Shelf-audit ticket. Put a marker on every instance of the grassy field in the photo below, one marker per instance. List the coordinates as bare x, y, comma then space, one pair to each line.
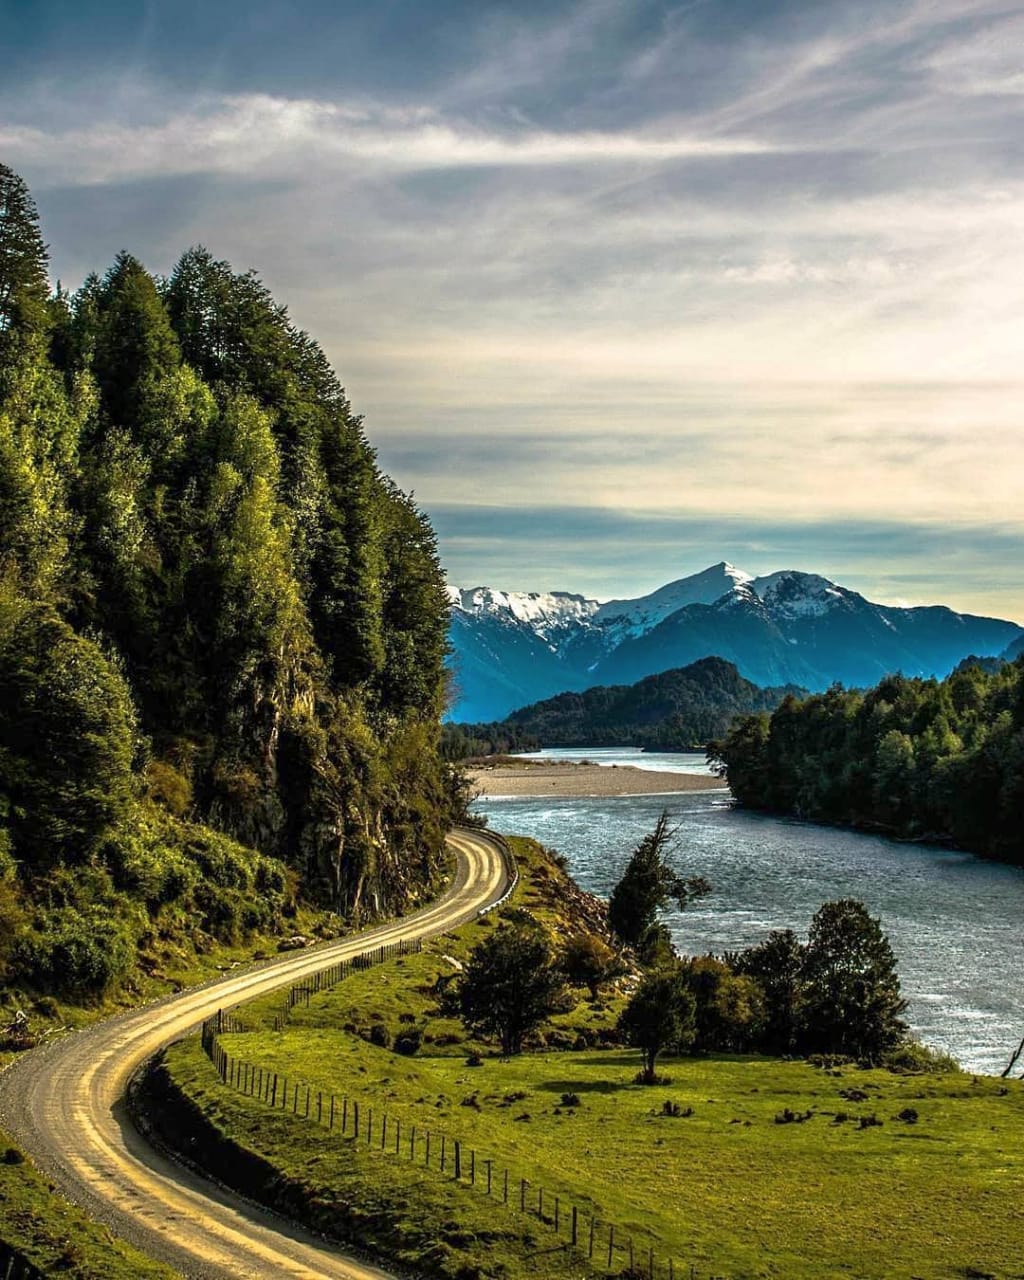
730, 1187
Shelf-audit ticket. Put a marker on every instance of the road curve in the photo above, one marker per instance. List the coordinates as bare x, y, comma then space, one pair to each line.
65, 1105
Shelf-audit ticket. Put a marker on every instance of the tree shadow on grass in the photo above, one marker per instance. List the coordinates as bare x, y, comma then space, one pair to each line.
624, 1066
583, 1086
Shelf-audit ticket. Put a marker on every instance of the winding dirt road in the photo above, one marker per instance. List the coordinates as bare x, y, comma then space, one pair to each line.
65, 1105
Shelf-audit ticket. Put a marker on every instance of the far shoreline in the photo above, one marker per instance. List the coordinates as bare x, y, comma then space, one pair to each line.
509, 778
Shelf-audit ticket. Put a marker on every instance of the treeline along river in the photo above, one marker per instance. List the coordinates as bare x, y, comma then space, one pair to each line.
954, 920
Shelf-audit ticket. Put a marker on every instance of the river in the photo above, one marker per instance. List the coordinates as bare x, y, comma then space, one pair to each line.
954, 921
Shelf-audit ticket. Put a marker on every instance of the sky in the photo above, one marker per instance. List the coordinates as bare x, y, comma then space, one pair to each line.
621, 287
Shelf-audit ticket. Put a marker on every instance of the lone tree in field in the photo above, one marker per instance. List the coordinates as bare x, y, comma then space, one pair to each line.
660, 1016
510, 985
851, 991
587, 961
647, 886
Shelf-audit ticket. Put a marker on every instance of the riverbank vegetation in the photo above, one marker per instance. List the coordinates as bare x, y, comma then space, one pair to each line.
938, 760
732, 1164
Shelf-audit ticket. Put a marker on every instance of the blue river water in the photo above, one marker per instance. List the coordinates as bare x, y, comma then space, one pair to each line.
954, 921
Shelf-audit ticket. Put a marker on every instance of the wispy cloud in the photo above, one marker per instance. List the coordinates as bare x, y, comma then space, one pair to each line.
679, 259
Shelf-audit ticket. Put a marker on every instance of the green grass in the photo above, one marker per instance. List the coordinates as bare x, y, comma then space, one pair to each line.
726, 1190
59, 1238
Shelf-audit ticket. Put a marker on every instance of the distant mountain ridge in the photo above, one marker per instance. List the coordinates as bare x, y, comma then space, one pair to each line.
514, 648
675, 710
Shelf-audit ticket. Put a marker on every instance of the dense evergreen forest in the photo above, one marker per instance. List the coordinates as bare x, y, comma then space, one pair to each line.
678, 710
222, 628
921, 759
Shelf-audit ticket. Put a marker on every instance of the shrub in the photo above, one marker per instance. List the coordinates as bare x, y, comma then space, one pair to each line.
408, 1042
83, 956
913, 1058
379, 1035
792, 1117
571, 1100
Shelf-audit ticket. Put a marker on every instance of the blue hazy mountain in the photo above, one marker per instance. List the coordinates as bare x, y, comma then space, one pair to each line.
511, 648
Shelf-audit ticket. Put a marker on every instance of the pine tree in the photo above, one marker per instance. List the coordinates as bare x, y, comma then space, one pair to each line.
24, 287
647, 886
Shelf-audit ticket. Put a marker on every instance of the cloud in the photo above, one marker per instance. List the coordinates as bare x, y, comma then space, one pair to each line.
594, 549
257, 135
683, 259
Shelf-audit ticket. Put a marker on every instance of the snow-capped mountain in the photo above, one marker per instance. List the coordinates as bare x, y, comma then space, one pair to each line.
512, 648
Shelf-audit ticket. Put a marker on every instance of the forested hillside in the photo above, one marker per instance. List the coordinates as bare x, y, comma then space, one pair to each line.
930, 759
222, 628
677, 710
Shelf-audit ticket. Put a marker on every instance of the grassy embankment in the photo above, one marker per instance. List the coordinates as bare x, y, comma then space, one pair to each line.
727, 1189
43, 1226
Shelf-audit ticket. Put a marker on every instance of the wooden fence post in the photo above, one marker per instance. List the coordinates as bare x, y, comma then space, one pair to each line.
505, 1196
398, 1137
574, 1226
444, 1143
369, 1125
355, 1116
331, 1122
611, 1244
384, 1131
522, 1195
556, 1215
590, 1247
458, 1159
472, 1168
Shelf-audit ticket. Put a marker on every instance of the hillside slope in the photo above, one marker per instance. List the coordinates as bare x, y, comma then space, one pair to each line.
674, 710
222, 627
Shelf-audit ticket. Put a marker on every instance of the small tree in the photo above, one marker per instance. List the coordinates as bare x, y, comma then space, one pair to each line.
659, 1016
852, 1001
587, 961
647, 886
510, 985
728, 1006
776, 965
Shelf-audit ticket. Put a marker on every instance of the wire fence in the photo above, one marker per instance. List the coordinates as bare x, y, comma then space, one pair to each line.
576, 1227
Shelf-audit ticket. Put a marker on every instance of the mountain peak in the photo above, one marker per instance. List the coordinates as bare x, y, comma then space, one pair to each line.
699, 588
786, 627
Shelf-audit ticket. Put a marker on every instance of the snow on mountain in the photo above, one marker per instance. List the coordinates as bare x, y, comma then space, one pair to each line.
701, 588
801, 594
546, 612
515, 647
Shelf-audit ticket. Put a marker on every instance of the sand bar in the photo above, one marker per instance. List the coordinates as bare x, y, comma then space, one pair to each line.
559, 778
